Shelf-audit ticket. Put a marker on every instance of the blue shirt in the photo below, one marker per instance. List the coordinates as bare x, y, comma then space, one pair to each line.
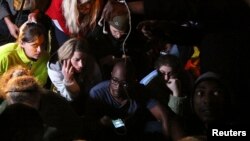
102, 98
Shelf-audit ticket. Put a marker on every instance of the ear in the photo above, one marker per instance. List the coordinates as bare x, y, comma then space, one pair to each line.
22, 43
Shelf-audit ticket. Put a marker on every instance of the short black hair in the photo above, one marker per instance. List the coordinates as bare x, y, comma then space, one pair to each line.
128, 66
170, 60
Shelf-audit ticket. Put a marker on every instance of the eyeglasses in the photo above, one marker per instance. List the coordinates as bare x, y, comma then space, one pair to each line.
169, 74
164, 74
116, 81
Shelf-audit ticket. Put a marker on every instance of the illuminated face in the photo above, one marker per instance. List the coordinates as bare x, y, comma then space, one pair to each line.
117, 34
78, 61
84, 6
34, 49
166, 72
118, 82
208, 100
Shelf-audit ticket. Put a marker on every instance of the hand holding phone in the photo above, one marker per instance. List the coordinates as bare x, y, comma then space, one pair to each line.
118, 123
120, 127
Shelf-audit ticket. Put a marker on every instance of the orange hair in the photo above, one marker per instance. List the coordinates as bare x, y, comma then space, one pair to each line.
12, 72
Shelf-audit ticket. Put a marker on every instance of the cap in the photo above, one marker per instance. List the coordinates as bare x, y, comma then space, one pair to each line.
208, 75
120, 22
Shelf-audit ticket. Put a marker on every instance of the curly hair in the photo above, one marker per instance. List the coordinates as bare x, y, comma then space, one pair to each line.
23, 89
12, 72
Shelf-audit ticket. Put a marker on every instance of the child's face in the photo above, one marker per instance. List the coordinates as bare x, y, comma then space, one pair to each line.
34, 49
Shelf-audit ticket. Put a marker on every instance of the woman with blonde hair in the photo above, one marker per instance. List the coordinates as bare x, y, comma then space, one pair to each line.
71, 18
81, 15
74, 71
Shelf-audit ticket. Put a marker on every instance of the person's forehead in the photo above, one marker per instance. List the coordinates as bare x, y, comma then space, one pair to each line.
116, 30
165, 68
208, 82
79, 54
119, 72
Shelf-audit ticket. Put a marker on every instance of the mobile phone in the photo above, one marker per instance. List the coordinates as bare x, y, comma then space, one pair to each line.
121, 1
118, 123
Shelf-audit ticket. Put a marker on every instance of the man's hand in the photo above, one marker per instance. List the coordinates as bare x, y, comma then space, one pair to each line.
13, 29
106, 121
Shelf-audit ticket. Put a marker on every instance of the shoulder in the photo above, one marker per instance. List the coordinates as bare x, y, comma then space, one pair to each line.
7, 48
54, 66
99, 89
96, 32
8, 53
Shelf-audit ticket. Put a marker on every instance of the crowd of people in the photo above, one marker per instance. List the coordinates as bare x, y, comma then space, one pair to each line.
122, 70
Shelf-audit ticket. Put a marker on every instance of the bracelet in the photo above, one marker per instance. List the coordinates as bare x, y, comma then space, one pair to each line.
67, 83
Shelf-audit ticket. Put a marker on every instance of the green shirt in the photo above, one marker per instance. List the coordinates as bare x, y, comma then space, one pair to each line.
12, 54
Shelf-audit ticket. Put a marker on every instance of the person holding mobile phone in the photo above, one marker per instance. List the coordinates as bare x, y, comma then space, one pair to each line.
120, 108
73, 72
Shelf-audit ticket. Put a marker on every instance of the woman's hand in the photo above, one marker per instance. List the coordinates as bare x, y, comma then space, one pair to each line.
67, 70
175, 86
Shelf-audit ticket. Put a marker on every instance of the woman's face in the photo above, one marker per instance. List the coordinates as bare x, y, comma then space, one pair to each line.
84, 6
78, 61
167, 72
34, 49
